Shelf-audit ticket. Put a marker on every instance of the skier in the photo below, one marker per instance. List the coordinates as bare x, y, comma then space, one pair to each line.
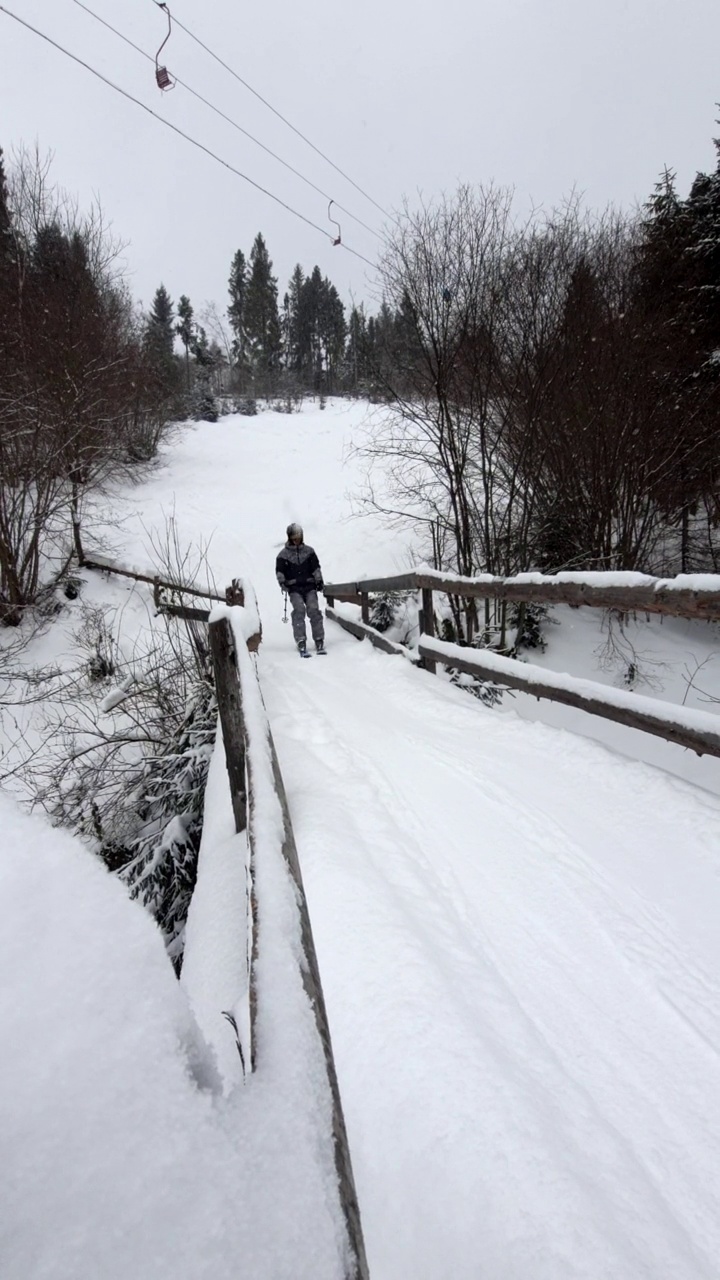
298, 571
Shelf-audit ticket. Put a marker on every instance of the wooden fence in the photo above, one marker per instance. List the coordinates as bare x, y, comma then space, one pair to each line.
244, 752
680, 598
166, 594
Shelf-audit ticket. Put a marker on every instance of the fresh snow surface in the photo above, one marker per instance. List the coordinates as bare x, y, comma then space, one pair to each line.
120, 1158
516, 930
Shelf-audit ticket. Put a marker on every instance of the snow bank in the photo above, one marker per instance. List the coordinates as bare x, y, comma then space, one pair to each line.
118, 1160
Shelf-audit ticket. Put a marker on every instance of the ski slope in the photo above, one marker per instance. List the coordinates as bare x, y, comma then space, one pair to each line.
516, 926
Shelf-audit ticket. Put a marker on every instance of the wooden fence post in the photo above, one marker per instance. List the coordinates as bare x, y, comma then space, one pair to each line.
227, 688
427, 623
365, 607
234, 594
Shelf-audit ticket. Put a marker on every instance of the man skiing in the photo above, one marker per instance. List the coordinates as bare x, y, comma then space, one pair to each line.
298, 571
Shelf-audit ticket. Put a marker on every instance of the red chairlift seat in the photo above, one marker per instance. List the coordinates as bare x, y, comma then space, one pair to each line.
162, 75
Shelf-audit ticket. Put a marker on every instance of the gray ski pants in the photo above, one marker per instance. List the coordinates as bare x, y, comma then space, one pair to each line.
300, 604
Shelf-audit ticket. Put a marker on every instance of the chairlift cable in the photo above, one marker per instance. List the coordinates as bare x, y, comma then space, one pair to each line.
227, 118
175, 128
290, 125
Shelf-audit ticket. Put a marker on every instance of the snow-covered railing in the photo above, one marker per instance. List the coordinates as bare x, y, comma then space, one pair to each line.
694, 596
234, 594
260, 807
697, 730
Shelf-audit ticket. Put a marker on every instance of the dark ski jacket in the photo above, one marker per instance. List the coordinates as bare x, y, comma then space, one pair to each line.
298, 569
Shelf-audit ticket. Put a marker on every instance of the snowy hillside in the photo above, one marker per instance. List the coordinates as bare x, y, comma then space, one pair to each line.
516, 928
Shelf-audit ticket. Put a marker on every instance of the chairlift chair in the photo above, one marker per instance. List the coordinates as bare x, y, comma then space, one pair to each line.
162, 75
337, 240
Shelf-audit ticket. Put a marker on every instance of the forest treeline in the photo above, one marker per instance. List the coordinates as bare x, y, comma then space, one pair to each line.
265, 347
552, 387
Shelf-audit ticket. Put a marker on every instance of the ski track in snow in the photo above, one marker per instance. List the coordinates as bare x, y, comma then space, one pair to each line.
506, 986
516, 927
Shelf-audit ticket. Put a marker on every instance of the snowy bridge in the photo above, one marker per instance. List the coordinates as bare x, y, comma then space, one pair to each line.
504, 956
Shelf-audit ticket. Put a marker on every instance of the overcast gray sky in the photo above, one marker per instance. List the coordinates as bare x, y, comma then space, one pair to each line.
404, 96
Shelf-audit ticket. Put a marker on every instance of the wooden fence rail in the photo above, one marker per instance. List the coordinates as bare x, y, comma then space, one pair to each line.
234, 594
699, 731
673, 597
696, 598
244, 753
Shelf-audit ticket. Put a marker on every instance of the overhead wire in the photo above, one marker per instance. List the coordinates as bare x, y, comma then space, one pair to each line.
229, 120
176, 129
160, 4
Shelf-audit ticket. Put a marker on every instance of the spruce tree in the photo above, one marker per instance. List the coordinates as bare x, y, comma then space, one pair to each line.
262, 322
7, 239
205, 358
293, 351
160, 331
356, 352
333, 332
185, 330
237, 288
160, 341
703, 259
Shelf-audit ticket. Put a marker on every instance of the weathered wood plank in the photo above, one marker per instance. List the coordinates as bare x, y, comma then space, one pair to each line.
105, 566
338, 589
227, 686
399, 582
672, 603
427, 623
313, 988
703, 603
704, 742
185, 612
362, 631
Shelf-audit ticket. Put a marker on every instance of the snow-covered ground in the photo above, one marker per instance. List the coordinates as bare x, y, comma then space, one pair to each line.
516, 928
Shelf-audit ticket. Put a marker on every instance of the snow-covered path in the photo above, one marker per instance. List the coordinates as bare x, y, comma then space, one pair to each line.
516, 928
528, 1049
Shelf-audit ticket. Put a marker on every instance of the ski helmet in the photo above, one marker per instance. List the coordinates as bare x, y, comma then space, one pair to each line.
295, 531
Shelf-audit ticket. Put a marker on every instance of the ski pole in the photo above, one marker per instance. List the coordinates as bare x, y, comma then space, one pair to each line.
285, 617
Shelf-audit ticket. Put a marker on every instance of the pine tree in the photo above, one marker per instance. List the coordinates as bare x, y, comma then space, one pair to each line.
7, 239
677, 313
333, 332
262, 322
160, 331
309, 329
293, 350
206, 357
703, 259
237, 288
185, 330
160, 342
356, 354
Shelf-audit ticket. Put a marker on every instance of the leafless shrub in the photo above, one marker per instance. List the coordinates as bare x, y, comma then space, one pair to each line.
76, 397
